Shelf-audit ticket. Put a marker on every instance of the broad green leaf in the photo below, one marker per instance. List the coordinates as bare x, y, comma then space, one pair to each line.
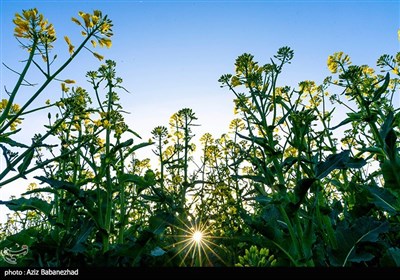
383, 199
268, 180
264, 200
124, 144
157, 252
364, 229
346, 121
391, 142
24, 237
50, 190
141, 183
12, 142
309, 238
24, 204
391, 174
26, 162
302, 187
63, 185
355, 162
335, 161
262, 142
372, 150
267, 224
134, 133
382, 89
81, 237
159, 222
387, 125
391, 258
151, 197
138, 146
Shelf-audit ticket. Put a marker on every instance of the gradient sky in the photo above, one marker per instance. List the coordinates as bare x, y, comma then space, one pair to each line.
172, 53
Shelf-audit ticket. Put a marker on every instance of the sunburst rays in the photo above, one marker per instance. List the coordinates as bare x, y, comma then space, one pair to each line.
194, 244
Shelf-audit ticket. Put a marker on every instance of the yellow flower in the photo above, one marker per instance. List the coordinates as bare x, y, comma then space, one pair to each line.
235, 81
98, 56
100, 142
31, 25
396, 70
332, 65
97, 13
71, 49
86, 18
93, 43
70, 46
77, 126
95, 19
64, 88
67, 40
76, 21
106, 123
335, 59
3, 103
48, 102
105, 42
15, 108
97, 122
69, 81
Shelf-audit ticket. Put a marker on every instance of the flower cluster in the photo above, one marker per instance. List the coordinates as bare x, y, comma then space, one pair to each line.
32, 25
336, 60
96, 25
256, 258
13, 110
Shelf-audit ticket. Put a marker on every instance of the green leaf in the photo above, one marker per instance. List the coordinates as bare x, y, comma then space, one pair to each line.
159, 222
12, 142
260, 141
26, 162
391, 174
50, 190
387, 125
134, 133
124, 144
157, 252
372, 150
346, 121
139, 146
335, 161
300, 191
391, 141
383, 199
24, 204
151, 197
364, 229
63, 185
256, 178
391, 258
264, 200
309, 238
355, 162
81, 237
382, 89
24, 237
141, 183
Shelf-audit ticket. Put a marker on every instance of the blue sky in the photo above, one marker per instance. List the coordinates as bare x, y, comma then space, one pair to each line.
171, 53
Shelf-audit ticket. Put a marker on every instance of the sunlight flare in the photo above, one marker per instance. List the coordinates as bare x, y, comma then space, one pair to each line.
197, 236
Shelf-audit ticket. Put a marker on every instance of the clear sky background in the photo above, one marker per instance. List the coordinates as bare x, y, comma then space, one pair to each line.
172, 53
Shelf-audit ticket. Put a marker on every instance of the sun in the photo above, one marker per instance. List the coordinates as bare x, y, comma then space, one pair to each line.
197, 236
193, 244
